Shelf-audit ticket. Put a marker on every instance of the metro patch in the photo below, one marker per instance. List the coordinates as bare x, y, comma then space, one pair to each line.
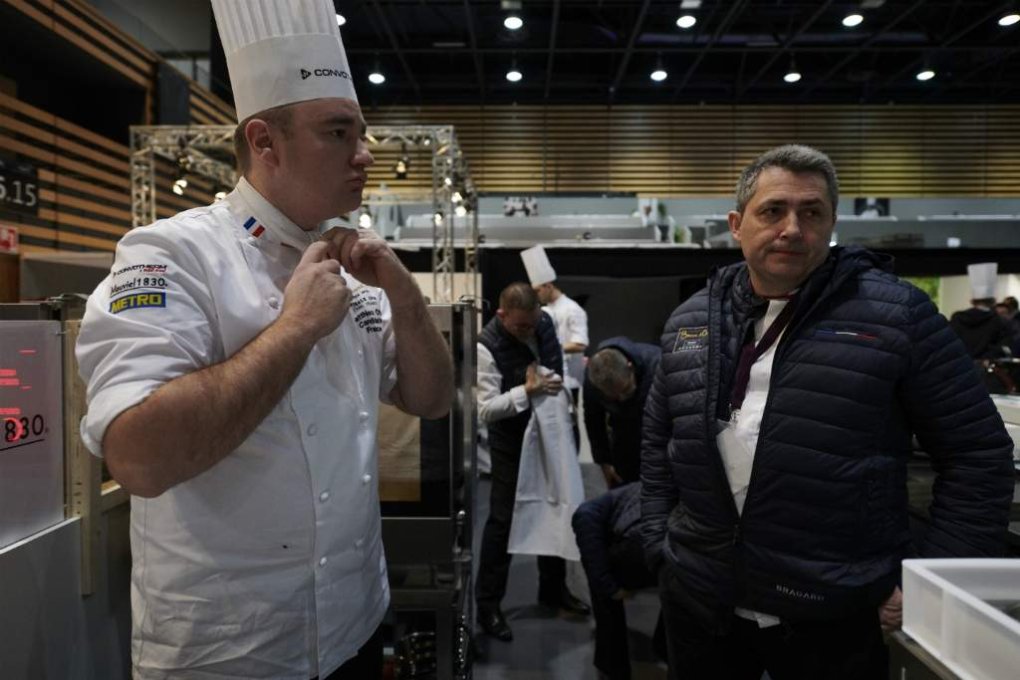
136, 301
691, 339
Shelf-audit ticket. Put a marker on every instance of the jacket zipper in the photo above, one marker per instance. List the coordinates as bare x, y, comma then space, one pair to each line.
790, 332
712, 403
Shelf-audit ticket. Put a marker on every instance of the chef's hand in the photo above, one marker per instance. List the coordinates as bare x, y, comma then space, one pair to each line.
370, 260
538, 384
316, 296
613, 479
890, 614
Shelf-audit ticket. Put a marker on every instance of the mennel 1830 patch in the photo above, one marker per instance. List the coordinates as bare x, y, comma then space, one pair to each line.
691, 339
137, 300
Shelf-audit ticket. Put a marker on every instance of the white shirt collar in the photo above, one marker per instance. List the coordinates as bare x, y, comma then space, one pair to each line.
276, 223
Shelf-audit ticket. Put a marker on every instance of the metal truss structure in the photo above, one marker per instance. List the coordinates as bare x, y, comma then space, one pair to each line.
197, 147
202, 149
453, 193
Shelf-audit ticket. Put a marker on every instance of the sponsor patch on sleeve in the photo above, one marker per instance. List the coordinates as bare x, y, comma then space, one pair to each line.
139, 277
137, 301
691, 339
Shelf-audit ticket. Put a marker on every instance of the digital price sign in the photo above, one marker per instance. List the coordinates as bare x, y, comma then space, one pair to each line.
19, 187
31, 428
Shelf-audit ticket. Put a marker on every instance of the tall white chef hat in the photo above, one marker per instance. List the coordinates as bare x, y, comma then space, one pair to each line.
982, 279
648, 203
282, 52
536, 262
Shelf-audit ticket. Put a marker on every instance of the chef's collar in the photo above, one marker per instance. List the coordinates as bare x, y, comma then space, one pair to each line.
278, 226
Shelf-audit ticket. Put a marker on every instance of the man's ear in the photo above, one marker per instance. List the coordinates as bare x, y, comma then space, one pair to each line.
260, 142
501, 314
734, 218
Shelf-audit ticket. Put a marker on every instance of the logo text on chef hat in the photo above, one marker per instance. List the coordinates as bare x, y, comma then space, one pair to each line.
325, 73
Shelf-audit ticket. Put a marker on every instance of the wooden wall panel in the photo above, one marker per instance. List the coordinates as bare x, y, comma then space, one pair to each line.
698, 151
83, 177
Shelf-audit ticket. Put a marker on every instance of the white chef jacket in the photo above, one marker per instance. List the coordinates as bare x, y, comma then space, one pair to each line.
270, 564
493, 403
571, 326
738, 453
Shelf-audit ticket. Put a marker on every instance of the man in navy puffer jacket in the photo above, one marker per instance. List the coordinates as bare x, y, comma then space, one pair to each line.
776, 438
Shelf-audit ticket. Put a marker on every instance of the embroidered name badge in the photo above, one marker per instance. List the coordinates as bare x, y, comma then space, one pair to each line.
137, 300
691, 339
366, 311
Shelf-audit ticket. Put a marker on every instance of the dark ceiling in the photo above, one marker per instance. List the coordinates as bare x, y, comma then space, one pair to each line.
603, 51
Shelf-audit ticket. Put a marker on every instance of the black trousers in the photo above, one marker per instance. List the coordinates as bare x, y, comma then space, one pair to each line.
846, 649
367, 665
612, 650
494, 561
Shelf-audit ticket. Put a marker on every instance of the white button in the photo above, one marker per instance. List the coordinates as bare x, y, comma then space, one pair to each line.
361, 352
312, 429
324, 496
366, 479
363, 415
322, 562
274, 302
358, 543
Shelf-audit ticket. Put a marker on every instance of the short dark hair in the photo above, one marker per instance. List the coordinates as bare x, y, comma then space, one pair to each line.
792, 157
278, 117
1011, 303
609, 369
518, 295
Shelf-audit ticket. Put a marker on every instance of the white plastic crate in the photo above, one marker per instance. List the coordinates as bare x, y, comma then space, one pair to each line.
946, 610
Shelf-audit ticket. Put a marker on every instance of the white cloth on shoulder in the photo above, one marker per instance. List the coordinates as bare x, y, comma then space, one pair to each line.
549, 486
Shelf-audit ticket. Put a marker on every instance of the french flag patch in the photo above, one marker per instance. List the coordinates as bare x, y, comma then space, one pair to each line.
254, 227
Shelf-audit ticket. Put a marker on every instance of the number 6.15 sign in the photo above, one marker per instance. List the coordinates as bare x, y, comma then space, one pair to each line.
19, 187
31, 428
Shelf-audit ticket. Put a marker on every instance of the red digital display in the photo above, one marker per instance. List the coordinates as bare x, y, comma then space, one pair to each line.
15, 426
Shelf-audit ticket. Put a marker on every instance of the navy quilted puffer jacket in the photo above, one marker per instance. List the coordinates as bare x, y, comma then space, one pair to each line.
866, 362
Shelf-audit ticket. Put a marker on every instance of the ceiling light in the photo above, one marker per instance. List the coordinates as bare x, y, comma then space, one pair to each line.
1009, 19
437, 219
376, 78
926, 74
513, 75
513, 22
793, 75
340, 20
365, 219
456, 197
690, 4
220, 195
460, 211
851, 20
179, 186
659, 75
686, 21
